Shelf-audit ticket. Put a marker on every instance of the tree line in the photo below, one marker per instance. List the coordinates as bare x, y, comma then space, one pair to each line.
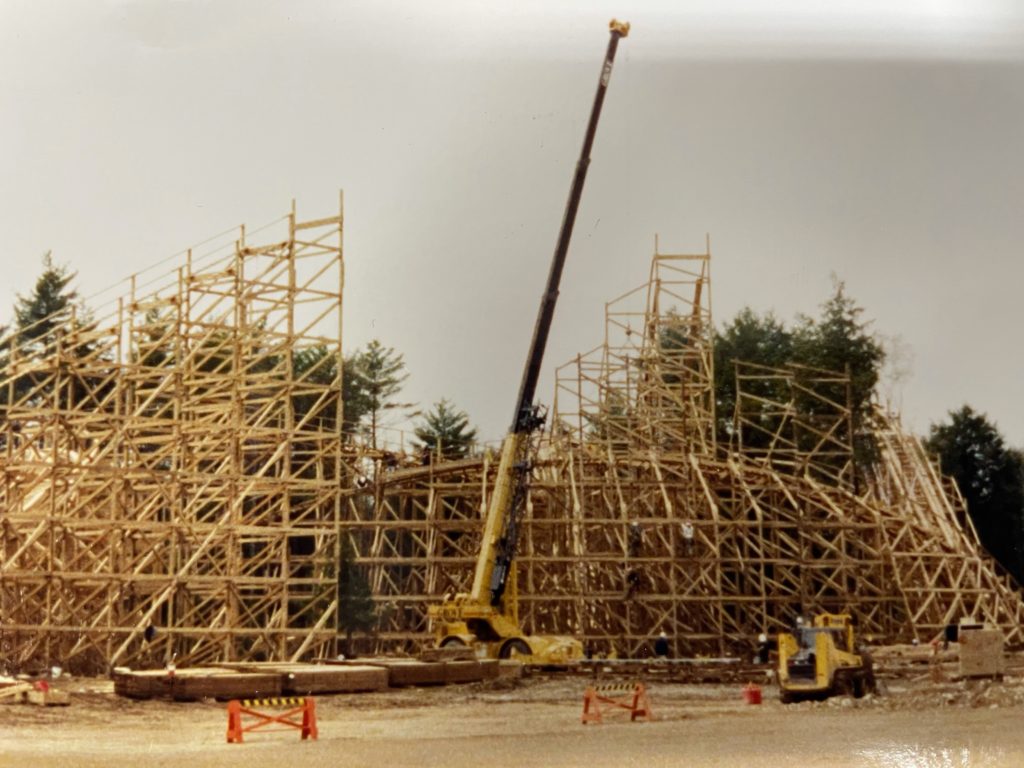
970, 448
968, 445
371, 385
372, 382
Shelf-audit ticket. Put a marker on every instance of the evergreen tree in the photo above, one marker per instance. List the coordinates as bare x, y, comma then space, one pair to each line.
312, 369
154, 346
355, 403
840, 341
47, 309
316, 365
750, 338
51, 311
356, 612
991, 478
611, 423
445, 431
380, 374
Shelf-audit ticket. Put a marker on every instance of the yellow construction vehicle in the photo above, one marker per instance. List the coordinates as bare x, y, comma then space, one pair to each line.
487, 617
822, 660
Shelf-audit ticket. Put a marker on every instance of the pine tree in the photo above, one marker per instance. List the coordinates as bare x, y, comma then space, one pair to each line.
380, 374
356, 612
312, 369
355, 404
51, 311
750, 338
48, 308
991, 478
445, 431
841, 340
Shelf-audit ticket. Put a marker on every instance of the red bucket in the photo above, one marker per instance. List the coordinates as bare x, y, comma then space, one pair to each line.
752, 694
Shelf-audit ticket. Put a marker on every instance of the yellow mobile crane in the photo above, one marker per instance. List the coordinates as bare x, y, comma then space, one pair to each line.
488, 616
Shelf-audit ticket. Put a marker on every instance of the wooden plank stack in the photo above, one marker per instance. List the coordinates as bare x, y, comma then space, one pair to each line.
268, 679
14, 691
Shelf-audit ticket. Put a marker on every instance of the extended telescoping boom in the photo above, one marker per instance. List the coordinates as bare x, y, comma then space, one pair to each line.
488, 616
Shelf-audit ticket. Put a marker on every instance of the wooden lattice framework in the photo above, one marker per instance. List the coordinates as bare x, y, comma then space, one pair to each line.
171, 471
779, 523
174, 484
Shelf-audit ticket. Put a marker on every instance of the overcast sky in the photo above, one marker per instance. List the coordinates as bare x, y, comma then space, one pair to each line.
877, 141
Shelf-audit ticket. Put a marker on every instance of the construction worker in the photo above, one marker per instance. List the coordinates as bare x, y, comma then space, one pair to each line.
661, 646
687, 530
763, 649
633, 581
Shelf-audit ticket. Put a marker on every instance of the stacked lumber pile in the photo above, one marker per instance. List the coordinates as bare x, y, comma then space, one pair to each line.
13, 691
404, 673
250, 680
308, 679
915, 661
196, 683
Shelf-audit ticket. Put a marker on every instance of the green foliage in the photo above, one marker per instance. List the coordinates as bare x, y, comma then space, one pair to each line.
991, 478
378, 373
356, 612
751, 338
154, 349
47, 308
840, 341
316, 365
356, 405
51, 311
673, 341
314, 368
611, 422
445, 430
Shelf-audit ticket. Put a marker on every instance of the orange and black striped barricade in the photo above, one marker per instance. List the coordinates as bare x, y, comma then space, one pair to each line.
629, 696
291, 708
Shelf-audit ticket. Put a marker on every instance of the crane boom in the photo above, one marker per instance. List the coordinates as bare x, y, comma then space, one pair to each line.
509, 505
522, 419
489, 612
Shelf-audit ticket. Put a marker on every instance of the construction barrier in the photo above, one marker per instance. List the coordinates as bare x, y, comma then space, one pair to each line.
629, 696
305, 706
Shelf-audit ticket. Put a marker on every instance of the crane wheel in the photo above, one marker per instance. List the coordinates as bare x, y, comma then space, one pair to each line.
452, 642
517, 645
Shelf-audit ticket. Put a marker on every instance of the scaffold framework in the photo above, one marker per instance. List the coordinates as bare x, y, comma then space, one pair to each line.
171, 471
175, 485
643, 519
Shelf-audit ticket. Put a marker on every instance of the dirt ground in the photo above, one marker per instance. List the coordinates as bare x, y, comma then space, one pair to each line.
536, 722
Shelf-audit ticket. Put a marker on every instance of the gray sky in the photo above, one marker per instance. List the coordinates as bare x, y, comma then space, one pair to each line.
878, 141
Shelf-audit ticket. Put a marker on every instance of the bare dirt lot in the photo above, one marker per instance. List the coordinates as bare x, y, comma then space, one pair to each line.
536, 722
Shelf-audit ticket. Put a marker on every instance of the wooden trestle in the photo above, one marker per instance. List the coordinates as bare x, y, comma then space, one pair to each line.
174, 486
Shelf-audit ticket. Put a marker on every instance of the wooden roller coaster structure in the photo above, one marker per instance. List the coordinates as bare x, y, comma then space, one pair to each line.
175, 484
